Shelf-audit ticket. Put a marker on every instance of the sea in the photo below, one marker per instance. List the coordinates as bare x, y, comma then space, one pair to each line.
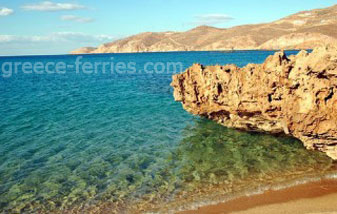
102, 134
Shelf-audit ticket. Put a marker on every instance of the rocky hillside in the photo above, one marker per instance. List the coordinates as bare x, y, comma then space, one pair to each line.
295, 95
303, 30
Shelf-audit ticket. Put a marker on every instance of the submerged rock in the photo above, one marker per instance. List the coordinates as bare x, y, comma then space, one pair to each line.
294, 95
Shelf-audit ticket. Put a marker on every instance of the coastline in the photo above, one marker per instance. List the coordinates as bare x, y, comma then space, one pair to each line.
191, 51
147, 52
312, 197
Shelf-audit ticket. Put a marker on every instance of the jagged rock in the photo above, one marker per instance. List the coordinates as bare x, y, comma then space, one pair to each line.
295, 95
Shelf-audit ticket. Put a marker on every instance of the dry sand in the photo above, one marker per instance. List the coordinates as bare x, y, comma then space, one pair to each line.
312, 198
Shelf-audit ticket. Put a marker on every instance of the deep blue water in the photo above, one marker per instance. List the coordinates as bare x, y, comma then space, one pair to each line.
74, 139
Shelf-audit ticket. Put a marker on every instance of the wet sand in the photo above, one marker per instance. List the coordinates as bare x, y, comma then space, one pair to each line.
311, 198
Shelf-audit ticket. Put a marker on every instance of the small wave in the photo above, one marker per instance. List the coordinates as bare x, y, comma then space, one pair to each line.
253, 192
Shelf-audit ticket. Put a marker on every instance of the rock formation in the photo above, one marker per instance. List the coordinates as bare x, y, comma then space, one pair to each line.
303, 30
295, 95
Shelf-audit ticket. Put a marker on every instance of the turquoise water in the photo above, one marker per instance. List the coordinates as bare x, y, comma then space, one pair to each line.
79, 143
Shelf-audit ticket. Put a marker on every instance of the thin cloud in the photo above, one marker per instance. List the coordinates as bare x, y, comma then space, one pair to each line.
54, 43
52, 6
56, 37
4, 11
212, 19
76, 19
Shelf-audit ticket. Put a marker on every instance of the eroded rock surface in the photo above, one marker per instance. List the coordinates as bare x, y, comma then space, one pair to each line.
295, 95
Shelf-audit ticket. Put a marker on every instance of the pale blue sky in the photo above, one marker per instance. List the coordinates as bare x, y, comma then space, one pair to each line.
58, 26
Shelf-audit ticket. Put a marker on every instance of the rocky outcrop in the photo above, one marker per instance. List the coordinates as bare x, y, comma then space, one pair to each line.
304, 30
295, 95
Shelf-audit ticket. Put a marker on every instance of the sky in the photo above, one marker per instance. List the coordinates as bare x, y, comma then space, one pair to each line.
59, 26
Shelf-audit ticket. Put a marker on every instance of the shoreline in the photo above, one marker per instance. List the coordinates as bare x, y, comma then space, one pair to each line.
224, 51
312, 197
148, 52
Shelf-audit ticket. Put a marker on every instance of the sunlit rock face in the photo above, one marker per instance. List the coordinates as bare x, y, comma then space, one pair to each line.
295, 95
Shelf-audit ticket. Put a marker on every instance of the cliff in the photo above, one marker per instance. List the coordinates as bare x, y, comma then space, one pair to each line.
294, 95
305, 30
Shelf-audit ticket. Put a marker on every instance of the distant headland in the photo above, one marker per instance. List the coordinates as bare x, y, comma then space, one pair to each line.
303, 30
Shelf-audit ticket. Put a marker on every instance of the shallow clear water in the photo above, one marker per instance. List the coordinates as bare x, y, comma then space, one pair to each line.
79, 142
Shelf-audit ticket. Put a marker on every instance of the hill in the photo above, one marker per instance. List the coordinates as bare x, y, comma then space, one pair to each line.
303, 30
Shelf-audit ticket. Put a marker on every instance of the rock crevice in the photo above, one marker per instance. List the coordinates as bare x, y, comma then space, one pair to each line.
295, 95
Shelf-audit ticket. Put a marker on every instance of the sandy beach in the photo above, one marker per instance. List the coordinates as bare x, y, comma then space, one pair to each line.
312, 198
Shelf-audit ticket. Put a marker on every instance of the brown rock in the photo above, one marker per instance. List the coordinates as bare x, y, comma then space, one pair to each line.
296, 96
